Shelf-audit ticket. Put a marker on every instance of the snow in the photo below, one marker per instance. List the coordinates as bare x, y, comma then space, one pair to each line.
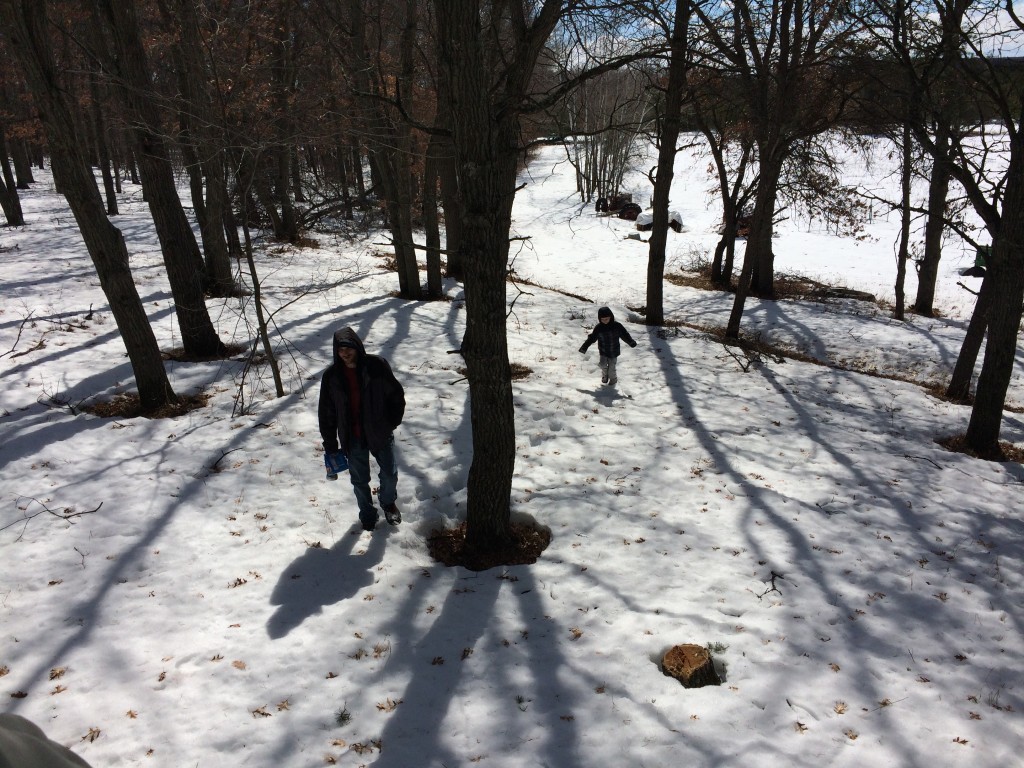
214, 601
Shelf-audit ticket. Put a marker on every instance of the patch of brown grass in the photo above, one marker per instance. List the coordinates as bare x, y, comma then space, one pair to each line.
127, 406
527, 542
520, 371
1004, 451
178, 354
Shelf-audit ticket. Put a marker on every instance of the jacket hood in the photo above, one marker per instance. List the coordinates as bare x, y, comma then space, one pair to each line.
346, 337
605, 312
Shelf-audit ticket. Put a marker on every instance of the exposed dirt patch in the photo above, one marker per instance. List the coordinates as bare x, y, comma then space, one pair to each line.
448, 546
127, 406
1004, 452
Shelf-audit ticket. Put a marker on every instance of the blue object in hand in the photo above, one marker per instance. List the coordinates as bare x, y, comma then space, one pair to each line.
335, 463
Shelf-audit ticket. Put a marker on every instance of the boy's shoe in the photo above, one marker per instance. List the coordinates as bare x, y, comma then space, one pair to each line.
613, 382
392, 514
369, 521
604, 378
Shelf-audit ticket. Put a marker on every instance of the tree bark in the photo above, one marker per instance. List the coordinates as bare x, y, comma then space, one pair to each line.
22, 164
903, 252
935, 225
28, 31
431, 222
1005, 270
184, 262
102, 145
9, 200
206, 159
668, 135
762, 224
485, 122
959, 388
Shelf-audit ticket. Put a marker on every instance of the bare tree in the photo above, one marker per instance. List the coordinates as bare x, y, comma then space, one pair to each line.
27, 29
785, 55
669, 122
988, 162
127, 60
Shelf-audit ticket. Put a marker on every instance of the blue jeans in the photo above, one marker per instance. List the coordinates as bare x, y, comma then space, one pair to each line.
359, 474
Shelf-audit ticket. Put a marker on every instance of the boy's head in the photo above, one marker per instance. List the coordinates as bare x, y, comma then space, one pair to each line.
604, 315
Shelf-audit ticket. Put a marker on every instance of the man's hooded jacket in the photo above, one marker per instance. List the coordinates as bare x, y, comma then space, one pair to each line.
381, 399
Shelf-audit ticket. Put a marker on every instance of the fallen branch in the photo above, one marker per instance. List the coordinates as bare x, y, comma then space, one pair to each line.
18, 338
68, 514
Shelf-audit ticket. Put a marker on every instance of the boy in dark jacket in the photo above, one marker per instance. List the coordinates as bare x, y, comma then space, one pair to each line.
607, 333
361, 403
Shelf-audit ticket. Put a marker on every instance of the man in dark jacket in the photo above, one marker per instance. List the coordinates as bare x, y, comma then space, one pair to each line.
361, 403
607, 333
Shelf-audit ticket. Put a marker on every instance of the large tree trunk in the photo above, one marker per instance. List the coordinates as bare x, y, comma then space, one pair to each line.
27, 30
667, 137
762, 225
1006, 273
184, 262
485, 123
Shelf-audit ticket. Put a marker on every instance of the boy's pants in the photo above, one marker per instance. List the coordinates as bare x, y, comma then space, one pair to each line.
359, 473
608, 369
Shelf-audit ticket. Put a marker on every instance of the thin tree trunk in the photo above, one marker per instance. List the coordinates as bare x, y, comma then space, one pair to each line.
184, 262
667, 137
22, 164
431, 223
935, 226
903, 254
959, 388
9, 200
102, 146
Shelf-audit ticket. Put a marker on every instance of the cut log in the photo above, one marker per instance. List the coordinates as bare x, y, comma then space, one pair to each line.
691, 665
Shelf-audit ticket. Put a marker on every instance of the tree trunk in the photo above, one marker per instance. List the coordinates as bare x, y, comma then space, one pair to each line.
935, 225
431, 223
486, 140
28, 32
22, 164
1005, 270
667, 137
184, 262
9, 201
447, 172
959, 388
102, 145
762, 226
903, 254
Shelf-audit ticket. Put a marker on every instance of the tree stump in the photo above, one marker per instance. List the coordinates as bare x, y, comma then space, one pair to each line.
691, 665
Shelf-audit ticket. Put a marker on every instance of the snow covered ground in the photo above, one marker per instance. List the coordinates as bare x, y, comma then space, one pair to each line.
859, 586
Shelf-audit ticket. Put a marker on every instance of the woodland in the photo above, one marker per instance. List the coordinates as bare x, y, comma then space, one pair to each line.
288, 117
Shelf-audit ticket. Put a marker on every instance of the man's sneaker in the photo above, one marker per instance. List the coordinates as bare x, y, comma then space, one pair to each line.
604, 378
392, 514
369, 521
